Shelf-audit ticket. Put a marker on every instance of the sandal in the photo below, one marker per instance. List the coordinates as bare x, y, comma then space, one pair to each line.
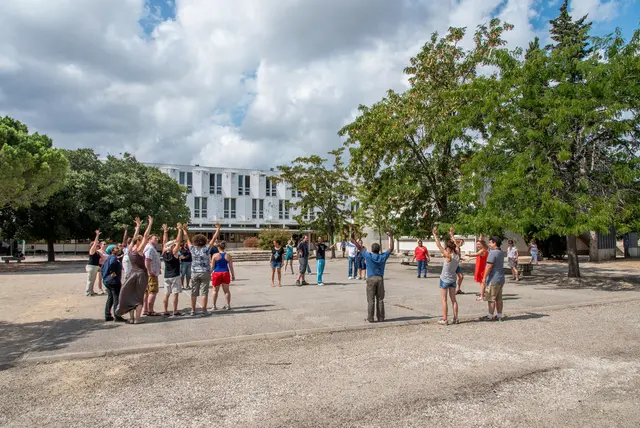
460, 292
140, 321
153, 314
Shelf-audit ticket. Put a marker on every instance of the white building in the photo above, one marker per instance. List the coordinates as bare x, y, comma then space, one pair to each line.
244, 201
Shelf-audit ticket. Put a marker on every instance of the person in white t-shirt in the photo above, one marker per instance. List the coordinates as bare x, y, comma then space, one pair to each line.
351, 255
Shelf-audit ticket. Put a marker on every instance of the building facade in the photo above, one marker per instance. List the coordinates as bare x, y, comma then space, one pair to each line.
244, 201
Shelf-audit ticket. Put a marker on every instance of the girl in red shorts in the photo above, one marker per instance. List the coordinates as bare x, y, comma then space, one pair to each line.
222, 275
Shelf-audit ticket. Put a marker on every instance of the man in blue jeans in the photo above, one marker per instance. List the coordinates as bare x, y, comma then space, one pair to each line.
351, 255
376, 263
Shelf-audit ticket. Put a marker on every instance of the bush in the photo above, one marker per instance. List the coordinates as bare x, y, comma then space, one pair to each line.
251, 242
267, 236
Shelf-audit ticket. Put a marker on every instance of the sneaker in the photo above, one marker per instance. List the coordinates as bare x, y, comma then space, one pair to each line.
119, 319
90, 294
108, 319
320, 284
215, 308
368, 320
350, 278
226, 308
486, 318
456, 321
443, 322
177, 314
305, 283
205, 313
298, 283
193, 314
418, 276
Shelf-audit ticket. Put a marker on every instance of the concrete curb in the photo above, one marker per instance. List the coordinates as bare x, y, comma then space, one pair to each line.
294, 333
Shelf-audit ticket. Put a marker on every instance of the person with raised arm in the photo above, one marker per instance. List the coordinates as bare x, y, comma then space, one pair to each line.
111, 272
134, 289
126, 262
321, 249
154, 265
481, 259
171, 258
200, 267
93, 267
376, 263
448, 275
223, 274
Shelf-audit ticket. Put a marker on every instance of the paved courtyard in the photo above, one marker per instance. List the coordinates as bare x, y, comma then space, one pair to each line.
44, 313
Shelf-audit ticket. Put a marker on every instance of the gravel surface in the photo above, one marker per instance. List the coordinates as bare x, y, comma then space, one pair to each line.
570, 368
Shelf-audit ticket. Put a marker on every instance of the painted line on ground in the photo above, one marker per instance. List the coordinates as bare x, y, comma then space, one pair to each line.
302, 332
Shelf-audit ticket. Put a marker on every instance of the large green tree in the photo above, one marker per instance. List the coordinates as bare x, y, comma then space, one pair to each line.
32, 170
325, 192
409, 146
99, 194
561, 149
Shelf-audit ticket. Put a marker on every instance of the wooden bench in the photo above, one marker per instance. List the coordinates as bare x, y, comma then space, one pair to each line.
8, 259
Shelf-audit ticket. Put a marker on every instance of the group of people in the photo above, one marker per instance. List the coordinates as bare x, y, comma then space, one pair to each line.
130, 272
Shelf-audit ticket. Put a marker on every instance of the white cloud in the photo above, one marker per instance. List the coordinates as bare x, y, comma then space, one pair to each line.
598, 10
85, 73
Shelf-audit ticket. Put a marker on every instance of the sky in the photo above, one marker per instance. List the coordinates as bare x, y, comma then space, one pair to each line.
238, 84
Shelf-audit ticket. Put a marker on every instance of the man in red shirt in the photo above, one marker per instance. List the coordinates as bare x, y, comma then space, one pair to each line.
421, 256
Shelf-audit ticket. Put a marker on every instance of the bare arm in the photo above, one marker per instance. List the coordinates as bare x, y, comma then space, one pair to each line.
215, 235
230, 261
165, 237
353, 241
438, 243
95, 244
124, 237
145, 238
391, 242
176, 248
185, 235
136, 232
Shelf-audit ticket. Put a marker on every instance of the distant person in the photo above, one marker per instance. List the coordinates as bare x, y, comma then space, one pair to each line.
343, 247
185, 265
277, 255
421, 257
448, 276
321, 249
351, 258
303, 260
288, 257
200, 267
512, 259
361, 265
134, 289
93, 267
481, 259
376, 263
493, 282
154, 266
172, 281
112, 281
533, 251
459, 273
222, 275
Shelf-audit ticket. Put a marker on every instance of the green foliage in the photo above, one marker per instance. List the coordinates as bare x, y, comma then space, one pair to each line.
32, 170
104, 195
561, 131
407, 150
267, 236
325, 191
252, 242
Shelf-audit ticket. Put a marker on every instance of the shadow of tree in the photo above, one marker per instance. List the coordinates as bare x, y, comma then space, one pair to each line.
42, 268
16, 340
596, 277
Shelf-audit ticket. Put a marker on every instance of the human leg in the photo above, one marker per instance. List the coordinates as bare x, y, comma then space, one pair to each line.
454, 304
351, 268
273, 274
380, 299
227, 295
443, 301
371, 290
419, 263
279, 276
92, 273
320, 270
109, 304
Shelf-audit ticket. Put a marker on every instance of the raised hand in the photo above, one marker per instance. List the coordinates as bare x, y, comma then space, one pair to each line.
164, 227
179, 226
434, 230
124, 227
218, 225
98, 233
451, 231
137, 221
150, 220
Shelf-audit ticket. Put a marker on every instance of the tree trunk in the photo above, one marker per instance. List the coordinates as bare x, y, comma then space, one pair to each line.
331, 242
51, 255
572, 256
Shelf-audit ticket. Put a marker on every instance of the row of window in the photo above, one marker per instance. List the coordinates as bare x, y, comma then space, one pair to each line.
244, 185
257, 209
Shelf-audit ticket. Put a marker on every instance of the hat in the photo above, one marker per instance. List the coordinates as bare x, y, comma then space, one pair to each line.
497, 240
110, 248
169, 244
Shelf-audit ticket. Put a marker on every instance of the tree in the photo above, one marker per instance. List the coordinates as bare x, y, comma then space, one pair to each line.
561, 155
325, 192
102, 195
409, 146
32, 170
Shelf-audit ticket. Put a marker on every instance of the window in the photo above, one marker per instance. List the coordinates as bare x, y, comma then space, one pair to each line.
215, 184
200, 207
271, 187
310, 215
283, 210
181, 178
229, 208
257, 208
355, 206
244, 185
295, 193
189, 181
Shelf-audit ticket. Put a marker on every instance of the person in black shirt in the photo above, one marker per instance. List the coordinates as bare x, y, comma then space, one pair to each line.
321, 249
277, 255
303, 259
185, 265
172, 280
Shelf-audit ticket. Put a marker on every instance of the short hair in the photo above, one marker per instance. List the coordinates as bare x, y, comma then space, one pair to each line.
375, 248
199, 240
497, 240
510, 241
277, 241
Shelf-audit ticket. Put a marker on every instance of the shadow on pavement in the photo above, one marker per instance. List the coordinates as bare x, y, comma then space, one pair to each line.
42, 268
17, 340
424, 317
